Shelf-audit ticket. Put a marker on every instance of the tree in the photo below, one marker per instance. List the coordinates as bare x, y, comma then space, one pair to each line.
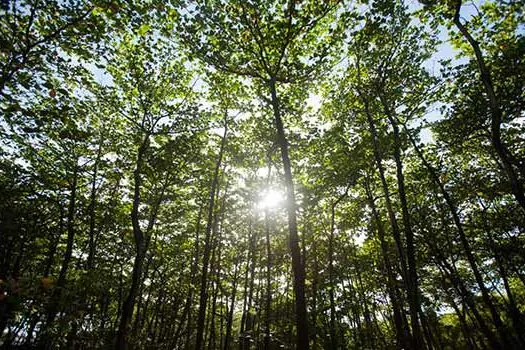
272, 60
162, 163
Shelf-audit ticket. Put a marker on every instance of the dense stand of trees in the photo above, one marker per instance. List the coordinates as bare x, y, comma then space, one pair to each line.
144, 146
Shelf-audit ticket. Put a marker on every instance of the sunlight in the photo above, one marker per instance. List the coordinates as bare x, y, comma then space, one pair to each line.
270, 199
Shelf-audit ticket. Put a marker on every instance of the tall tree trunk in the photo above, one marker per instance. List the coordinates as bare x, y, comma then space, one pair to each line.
495, 109
246, 280
315, 283
389, 207
203, 294
401, 335
141, 309
463, 324
140, 251
413, 290
62, 276
186, 317
216, 265
268, 301
70, 227
450, 272
462, 237
513, 310
248, 289
92, 208
297, 262
369, 337
53, 244
331, 290
229, 322
215, 286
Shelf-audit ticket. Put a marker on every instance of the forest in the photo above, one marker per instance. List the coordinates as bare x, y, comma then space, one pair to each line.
262, 174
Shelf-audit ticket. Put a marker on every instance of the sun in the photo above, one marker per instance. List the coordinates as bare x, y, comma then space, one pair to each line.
270, 199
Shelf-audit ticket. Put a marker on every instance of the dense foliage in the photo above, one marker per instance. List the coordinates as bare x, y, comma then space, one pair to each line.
244, 174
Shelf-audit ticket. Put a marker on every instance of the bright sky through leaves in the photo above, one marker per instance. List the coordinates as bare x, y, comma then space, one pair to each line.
270, 198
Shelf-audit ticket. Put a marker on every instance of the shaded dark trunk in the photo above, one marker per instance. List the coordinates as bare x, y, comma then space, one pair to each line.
248, 289
391, 215
402, 336
203, 294
512, 307
463, 238
496, 114
331, 277
229, 321
297, 262
140, 253
186, 313
268, 301
413, 289
92, 209
450, 272
315, 283
61, 281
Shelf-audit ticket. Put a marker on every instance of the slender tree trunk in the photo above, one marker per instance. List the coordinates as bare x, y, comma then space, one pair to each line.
297, 262
70, 227
229, 322
369, 337
463, 324
391, 215
203, 295
216, 265
463, 239
315, 283
62, 276
268, 301
451, 273
215, 286
401, 335
246, 280
246, 323
93, 207
495, 109
331, 291
413, 290
140, 251
185, 317
54, 245
513, 310
142, 309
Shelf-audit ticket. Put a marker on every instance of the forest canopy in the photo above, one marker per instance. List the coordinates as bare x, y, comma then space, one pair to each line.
262, 174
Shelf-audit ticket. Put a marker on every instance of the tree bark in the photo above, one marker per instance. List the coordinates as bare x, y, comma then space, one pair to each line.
331, 290
268, 301
229, 322
391, 215
203, 295
140, 251
186, 313
401, 336
92, 208
297, 262
501, 149
413, 290
62, 276
463, 238
451, 273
